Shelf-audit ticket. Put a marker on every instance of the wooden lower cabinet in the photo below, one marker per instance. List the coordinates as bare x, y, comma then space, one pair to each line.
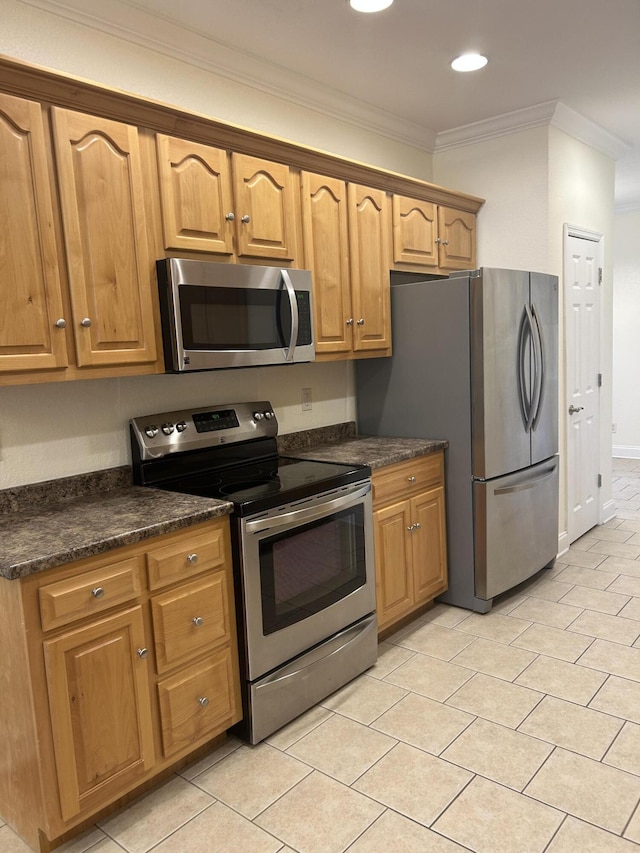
410, 536
107, 681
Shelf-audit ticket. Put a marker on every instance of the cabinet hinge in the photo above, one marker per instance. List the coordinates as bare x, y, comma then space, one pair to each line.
599, 275
599, 380
599, 481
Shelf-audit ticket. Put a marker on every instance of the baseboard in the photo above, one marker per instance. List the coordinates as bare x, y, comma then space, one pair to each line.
625, 451
608, 511
563, 543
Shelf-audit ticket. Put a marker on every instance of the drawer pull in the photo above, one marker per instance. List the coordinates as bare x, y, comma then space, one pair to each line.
203, 701
411, 479
143, 653
97, 592
192, 558
198, 621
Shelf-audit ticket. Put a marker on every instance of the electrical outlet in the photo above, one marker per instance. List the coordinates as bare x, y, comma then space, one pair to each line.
306, 400
614, 427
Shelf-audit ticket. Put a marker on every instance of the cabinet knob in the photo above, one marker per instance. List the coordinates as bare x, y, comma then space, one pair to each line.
417, 525
230, 216
411, 479
361, 321
445, 242
350, 321
192, 558
203, 701
411, 528
198, 621
437, 241
61, 323
97, 592
86, 322
143, 653
246, 218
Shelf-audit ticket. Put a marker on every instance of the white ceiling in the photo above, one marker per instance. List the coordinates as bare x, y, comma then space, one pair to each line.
393, 67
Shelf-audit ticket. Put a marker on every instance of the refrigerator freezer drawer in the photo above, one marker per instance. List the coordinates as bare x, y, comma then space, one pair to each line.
515, 528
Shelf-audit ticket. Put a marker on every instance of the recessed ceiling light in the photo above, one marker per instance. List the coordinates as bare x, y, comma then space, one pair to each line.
370, 5
469, 62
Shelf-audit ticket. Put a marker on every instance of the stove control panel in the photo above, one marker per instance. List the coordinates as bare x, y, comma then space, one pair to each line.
157, 435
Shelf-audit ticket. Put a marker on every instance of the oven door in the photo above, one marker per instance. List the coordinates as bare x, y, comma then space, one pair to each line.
307, 572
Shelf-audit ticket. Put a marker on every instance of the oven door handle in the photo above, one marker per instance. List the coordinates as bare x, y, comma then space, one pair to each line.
312, 513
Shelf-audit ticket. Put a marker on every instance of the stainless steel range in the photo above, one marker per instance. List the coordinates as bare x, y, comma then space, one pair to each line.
302, 534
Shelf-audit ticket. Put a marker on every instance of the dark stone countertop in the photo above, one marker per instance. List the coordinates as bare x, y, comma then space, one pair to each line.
56, 522
374, 451
50, 524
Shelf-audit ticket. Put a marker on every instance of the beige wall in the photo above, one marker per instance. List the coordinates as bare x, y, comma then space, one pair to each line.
59, 429
535, 181
626, 341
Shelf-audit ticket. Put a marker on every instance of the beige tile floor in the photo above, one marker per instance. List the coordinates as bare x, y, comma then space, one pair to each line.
516, 731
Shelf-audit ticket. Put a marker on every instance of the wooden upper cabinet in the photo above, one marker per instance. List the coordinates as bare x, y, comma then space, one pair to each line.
195, 188
105, 230
457, 232
264, 209
369, 238
432, 237
30, 296
414, 232
326, 247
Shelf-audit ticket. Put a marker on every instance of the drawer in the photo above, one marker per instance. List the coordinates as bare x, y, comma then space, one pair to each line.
407, 478
188, 555
201, 701
190, 620
90, 592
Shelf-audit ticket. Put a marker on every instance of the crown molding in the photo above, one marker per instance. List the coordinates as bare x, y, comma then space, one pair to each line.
128, 22
627, 209
584, 130
549, 113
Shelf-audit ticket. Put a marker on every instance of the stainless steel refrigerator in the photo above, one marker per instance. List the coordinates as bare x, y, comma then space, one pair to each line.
475, 361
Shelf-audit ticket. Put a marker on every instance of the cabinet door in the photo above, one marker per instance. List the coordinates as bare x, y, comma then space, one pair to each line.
369, 237
457, 233
195, 188
326, 247
105, 229
30, 295
429, 545
264, 209
414, 232
100, 710
394, 587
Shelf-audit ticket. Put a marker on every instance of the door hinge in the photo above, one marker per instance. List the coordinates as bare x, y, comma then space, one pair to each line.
599, 380
599, 275
599, 481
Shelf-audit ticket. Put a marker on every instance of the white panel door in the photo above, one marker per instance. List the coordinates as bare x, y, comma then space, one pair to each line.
583, 263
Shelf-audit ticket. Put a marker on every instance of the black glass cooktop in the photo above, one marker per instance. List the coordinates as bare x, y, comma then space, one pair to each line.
266, 483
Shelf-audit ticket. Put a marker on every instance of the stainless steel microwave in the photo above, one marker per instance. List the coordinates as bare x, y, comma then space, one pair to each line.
218, 315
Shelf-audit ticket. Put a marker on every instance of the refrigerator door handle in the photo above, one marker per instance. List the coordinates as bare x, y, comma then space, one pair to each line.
525, 403
539, 362
523, 487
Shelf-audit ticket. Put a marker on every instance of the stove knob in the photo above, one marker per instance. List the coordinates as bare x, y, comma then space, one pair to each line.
269, 415
151, 431
258, 416
167, 429
181, 426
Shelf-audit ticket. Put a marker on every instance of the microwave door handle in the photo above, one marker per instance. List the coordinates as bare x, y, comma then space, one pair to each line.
294, 314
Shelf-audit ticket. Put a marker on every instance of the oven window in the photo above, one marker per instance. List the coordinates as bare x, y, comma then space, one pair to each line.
306, 569
234, 318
